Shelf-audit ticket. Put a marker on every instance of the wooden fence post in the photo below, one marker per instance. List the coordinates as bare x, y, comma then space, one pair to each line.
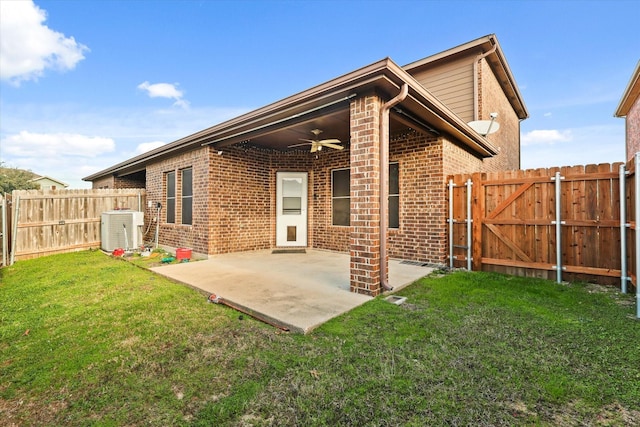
477, 213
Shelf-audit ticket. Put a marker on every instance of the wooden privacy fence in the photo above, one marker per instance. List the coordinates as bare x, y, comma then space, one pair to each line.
45, 222
564, 223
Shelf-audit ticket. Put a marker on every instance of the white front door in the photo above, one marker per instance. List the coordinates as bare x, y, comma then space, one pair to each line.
291, 206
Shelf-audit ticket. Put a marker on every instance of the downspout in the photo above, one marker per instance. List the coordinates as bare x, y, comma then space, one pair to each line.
476, 100
384, 178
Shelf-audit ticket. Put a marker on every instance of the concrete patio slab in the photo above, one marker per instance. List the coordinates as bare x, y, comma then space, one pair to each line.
295, 291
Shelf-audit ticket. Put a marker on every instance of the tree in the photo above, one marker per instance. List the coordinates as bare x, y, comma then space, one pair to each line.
16, 179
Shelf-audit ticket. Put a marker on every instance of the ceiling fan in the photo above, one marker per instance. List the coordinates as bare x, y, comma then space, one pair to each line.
317, 144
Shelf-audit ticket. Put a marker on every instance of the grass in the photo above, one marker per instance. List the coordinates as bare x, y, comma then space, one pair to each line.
86, 339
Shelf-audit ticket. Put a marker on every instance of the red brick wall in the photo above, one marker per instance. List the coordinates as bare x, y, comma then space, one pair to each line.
507, 139
130, 181
632, 124
422, 210
195, 236
326, 235
365, 189
107, 182
457, 159
239, 200
243, 196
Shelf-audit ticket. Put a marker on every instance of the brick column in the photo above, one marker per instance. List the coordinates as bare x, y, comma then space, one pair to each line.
364, 241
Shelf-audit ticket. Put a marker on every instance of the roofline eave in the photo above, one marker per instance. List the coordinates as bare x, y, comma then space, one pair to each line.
384, 73
631, 93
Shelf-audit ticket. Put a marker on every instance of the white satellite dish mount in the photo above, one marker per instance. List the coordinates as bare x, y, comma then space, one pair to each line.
485, 127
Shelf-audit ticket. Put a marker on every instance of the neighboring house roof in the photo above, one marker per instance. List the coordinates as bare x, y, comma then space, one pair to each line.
40, 179
631, 93
328, 99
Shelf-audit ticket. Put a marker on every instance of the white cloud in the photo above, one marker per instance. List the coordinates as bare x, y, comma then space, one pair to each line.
578, 146
546, 137
42, 145
165, 90
148, 146
28, 47
547, 114
33, 136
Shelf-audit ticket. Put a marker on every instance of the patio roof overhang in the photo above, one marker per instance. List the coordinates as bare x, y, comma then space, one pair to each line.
325, 106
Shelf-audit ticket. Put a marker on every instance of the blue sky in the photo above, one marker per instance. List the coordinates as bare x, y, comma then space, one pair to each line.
87, 84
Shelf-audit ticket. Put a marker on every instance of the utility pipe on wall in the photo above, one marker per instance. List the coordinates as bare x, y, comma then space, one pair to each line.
157, 224
384, 178
476, 89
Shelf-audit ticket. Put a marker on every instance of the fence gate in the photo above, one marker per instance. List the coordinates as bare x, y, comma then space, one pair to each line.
550, 223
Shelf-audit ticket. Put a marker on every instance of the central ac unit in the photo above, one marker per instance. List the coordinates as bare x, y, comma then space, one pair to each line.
121, 229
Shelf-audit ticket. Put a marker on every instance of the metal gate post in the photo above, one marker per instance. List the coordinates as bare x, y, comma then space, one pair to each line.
450, 221
14, 236
558, 222
5, 236
623, 231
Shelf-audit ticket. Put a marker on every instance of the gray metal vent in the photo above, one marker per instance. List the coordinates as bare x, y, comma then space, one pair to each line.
417, 263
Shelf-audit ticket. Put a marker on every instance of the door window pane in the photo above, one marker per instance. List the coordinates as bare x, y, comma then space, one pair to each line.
292, 205
292, 196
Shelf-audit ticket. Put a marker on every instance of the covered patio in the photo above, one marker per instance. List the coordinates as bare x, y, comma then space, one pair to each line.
293, 291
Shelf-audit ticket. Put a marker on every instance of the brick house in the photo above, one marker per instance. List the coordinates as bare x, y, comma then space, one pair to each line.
240, 186
629, 108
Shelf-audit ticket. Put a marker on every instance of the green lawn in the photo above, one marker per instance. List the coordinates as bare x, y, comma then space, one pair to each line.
86, 339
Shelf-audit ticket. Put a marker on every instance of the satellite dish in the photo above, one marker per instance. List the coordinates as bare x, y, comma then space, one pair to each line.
484, 127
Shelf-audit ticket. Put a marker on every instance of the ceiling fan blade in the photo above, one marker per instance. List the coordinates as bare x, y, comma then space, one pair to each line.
297, 145
331, 141
337, 147
308, 140
315, 148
